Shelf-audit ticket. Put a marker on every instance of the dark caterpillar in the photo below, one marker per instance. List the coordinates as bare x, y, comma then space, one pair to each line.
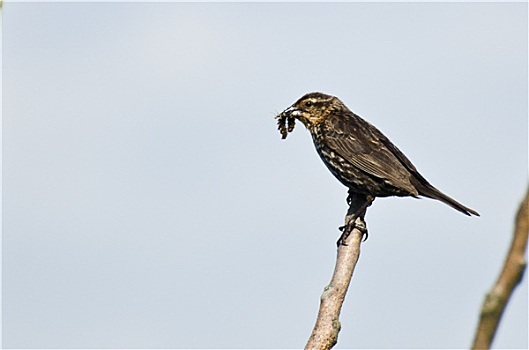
285, 125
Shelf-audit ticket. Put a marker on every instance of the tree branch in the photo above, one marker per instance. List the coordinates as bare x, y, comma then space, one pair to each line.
510, 277
325, 332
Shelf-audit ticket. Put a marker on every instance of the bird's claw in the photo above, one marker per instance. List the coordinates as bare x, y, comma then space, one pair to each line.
347, 229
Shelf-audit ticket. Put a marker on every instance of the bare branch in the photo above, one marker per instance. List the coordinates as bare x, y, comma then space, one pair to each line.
510, 277
325, 332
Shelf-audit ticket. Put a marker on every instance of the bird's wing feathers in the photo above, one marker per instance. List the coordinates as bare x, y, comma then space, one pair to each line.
366, 148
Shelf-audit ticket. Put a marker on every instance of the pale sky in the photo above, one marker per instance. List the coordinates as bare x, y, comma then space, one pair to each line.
149, 201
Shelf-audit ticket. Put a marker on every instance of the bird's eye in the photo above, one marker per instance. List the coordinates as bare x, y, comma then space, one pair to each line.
308, 104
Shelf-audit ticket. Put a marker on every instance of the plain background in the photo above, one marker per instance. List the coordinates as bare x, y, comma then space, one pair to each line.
149, 202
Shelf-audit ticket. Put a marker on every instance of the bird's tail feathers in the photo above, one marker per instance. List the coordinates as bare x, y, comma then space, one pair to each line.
432, 192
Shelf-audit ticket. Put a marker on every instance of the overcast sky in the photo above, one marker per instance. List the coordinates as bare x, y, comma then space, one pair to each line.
149, 201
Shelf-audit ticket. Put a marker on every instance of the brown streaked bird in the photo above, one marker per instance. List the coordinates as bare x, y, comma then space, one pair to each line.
357, 153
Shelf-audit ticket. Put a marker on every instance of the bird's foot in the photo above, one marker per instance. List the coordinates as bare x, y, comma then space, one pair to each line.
348, 228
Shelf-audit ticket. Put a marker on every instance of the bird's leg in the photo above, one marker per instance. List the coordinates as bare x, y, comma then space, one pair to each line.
357, 209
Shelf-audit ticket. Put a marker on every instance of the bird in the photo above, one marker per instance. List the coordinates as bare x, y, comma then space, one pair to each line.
359, 155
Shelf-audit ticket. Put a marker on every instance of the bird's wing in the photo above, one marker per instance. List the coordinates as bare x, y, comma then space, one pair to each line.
366, 148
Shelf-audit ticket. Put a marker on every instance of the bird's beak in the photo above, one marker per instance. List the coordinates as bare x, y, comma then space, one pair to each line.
291, 112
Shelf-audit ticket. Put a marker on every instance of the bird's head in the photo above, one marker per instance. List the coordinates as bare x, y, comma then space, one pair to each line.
310, 109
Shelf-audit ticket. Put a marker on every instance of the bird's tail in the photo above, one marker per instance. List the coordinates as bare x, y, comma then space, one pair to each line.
429, 191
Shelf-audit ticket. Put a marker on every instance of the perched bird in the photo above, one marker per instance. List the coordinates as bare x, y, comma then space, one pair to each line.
357, 153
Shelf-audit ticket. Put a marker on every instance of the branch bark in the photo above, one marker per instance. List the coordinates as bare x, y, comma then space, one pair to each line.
325, 332
509, 278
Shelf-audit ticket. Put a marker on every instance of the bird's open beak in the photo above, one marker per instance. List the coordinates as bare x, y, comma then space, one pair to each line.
290, 112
